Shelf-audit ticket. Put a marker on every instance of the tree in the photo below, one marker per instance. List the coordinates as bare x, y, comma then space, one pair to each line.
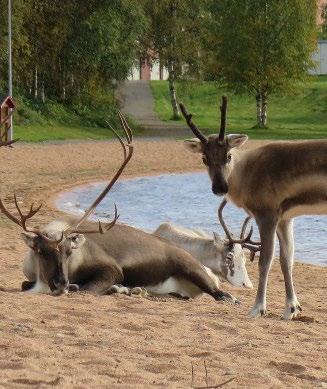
174, 36
66, 50
323, 17
261, 46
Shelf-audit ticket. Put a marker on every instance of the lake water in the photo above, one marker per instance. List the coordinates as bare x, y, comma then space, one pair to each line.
185, 200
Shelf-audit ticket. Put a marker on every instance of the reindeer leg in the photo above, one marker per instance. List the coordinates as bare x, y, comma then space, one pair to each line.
286, 243
99, 279
267, 228
207, 282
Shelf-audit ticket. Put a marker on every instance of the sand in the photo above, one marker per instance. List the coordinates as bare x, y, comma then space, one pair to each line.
86, 341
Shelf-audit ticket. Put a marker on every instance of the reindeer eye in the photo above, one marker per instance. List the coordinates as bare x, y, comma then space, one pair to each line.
229, 157
204, 160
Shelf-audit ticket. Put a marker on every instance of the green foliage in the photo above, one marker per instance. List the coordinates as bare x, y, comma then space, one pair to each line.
260, 46
175, 33
68, 51
299, 115
102, 107
35, 121
323, 28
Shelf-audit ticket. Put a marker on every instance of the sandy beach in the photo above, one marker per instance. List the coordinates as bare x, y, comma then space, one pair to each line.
86, 341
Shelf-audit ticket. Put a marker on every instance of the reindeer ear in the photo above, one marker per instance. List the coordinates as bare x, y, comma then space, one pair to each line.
76, 240
236, 140
193, 145
217, 238
29, 239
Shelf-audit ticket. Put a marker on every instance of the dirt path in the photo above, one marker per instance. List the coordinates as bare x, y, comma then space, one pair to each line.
137, 101
86, 341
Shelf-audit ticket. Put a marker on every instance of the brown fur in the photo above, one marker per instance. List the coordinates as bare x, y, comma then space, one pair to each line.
122, 255
274, 183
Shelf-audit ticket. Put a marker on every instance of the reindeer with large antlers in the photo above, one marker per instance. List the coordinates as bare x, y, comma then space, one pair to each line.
273, 183
225, 257
64, 256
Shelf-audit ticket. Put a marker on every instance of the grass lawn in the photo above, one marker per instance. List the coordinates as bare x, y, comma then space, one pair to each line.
38, 133
300, 115
36, 121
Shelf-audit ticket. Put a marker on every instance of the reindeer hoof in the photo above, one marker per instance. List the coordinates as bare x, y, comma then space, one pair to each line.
292, 310
119, 289
27, 285
257, 310
138, 291
73, 288
231, 299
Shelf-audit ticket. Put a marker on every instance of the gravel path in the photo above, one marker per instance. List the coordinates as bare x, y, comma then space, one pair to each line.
137, 101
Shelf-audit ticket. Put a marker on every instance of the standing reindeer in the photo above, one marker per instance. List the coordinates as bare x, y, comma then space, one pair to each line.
225, 257
63, 256
274, 183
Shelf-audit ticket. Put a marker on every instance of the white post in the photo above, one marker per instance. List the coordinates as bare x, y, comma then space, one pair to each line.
10, 132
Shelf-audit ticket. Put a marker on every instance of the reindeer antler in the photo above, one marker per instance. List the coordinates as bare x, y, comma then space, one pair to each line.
246, 242
21, 221
128, 148
227, 232
193, 127
23, 218
223, 113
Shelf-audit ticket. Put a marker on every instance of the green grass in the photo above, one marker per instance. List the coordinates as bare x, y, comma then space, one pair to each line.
300, 115
36, 122
39, 133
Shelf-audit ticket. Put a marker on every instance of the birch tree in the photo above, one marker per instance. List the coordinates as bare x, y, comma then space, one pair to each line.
64, 49
174, 36
262, 46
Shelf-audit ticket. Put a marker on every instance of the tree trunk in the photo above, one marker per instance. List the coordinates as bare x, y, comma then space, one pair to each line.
36, 94
261, 99
173, 98
258, 100
43, 91
264, 103
63, 86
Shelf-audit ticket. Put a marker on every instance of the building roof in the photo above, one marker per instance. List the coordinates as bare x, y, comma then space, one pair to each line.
7, 102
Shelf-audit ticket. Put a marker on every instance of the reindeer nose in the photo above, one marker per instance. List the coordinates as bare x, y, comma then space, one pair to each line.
248, 285
219, 189
61, 283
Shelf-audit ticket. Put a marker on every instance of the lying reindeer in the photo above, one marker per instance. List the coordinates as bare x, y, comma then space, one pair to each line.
225, 257
65, 257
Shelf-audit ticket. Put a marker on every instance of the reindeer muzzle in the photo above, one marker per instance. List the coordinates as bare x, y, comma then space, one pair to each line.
59, 288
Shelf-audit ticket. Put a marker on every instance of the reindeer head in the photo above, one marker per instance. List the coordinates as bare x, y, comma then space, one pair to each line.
234, 269
231, 262
216, 150
52, 248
